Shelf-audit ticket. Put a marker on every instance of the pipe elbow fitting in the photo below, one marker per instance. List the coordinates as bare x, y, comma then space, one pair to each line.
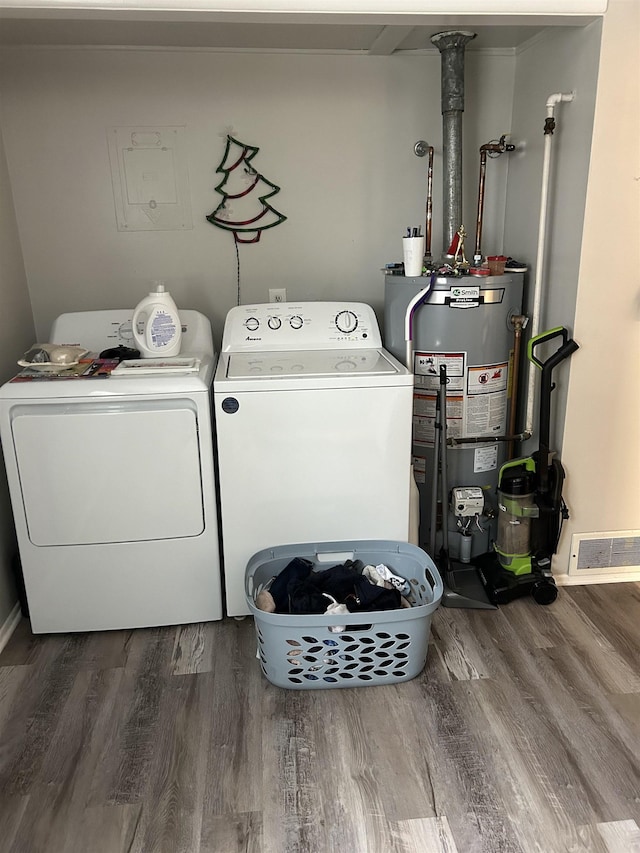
559, 97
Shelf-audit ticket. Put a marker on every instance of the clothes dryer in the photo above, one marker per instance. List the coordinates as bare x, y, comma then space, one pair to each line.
313, 421
112, 484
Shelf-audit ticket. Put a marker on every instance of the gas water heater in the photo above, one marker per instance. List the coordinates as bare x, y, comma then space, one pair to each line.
465, 323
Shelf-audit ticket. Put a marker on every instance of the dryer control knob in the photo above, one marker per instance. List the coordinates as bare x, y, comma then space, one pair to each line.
347, 322
252, 324
296, 322
274, 322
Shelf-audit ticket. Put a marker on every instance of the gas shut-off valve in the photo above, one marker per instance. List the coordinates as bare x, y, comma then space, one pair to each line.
467, 505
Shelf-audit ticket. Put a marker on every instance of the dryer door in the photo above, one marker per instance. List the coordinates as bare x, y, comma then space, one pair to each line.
95, 473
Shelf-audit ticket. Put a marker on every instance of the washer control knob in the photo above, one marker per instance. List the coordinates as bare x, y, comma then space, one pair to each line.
252, 323
296, 322
274, 322
347, 322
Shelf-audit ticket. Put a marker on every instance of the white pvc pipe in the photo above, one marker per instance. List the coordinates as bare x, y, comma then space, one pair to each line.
408, 322
552, 102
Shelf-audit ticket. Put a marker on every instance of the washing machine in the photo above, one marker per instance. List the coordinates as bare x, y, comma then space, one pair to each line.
112, 483
313, 422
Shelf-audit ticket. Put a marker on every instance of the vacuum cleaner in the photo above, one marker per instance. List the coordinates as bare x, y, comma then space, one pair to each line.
531, 509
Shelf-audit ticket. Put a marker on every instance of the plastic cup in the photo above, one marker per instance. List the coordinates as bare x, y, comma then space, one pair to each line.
413, 254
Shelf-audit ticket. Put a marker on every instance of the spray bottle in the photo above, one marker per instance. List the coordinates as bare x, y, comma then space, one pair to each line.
156, 324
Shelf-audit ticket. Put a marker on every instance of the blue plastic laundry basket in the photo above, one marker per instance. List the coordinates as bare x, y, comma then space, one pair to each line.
363, 649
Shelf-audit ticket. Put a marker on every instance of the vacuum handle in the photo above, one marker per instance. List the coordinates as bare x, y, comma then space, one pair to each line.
567, 347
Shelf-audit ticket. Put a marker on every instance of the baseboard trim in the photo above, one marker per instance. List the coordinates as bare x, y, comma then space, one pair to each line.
9, 626
584, 579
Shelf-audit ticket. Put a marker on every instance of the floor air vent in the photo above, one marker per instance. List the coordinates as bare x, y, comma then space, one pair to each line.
615, 553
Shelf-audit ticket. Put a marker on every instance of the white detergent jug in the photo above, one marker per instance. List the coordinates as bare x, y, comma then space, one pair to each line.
156, 325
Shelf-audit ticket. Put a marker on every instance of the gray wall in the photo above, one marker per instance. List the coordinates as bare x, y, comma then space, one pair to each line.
16, 335
336, 133
565, 60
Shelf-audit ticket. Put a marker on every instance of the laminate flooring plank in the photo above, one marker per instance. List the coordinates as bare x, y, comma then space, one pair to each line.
103, 829
542, 795
320, 790
23, 646
599, 749
586, 744
34, 715
105, 650
11, 678
614, 837
627, 706
393, 749
72, 753
240, 833
56, 827
462, 768
291, 804
615, 662
194, 648
605, 709
536, 623
234, 756
171, 819
61, 791
435, 667
455, 644
615, 608
429, 835
355, 734
619, 673
621, 836
12, 811
511, 663
135, 732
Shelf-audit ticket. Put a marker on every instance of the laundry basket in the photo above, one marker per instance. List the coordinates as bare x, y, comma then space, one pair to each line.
380, 647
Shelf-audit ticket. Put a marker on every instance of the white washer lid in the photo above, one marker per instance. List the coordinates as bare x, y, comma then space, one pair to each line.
334, 363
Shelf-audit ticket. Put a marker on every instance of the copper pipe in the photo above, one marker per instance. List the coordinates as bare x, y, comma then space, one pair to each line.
427, 242
483, 168
493, 149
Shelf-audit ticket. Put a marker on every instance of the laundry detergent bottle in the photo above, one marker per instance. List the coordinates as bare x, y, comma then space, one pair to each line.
156, 325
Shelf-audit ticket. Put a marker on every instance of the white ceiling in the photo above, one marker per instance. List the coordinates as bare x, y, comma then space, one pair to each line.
190, 24
365, 37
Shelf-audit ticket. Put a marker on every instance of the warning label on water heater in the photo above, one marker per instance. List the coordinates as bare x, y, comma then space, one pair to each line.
426, 367
476, 397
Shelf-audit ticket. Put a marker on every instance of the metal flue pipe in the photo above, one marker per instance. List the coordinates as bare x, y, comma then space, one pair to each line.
451, 45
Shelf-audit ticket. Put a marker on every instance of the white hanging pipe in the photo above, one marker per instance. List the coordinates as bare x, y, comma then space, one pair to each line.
549, 127
408, 321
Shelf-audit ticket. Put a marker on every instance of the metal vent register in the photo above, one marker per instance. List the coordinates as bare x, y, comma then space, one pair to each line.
605, 553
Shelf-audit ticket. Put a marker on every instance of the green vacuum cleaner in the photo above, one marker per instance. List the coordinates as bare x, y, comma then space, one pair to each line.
530, 504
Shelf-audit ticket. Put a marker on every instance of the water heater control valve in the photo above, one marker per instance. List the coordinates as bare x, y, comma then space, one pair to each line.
467, 502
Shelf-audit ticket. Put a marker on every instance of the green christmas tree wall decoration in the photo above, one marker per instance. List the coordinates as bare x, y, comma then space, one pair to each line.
244, 209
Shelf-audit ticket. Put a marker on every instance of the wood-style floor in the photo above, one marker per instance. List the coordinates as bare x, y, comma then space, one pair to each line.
521, 734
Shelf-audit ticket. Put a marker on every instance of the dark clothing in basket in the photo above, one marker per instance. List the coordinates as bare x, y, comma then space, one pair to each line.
300, 590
